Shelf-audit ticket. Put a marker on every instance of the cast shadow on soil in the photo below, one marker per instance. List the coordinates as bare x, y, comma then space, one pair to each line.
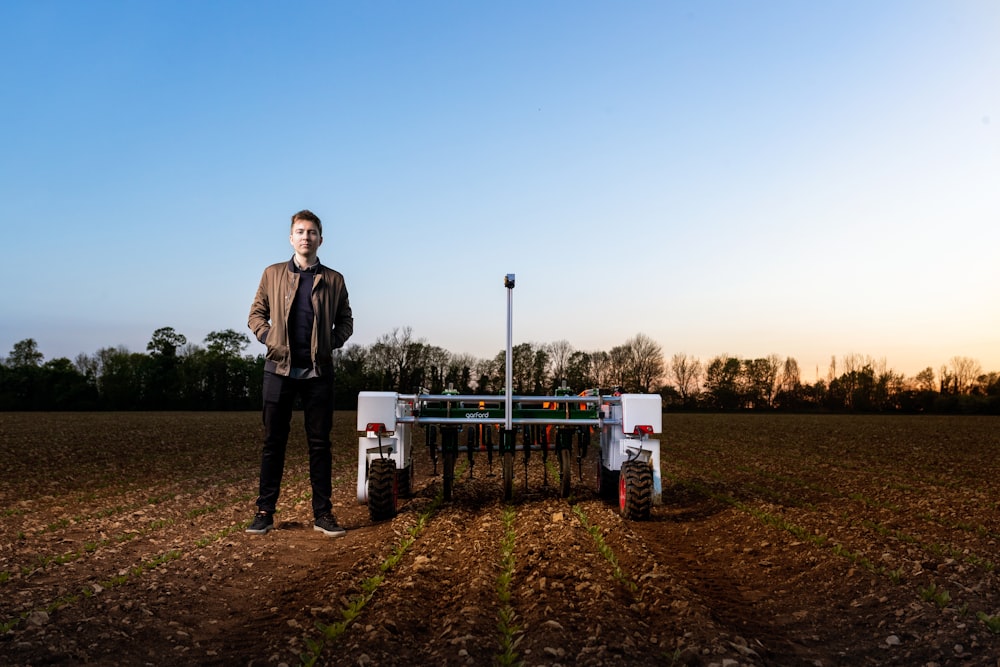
681, 505
678, 504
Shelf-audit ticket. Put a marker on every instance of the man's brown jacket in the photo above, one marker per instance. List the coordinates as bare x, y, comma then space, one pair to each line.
333, 321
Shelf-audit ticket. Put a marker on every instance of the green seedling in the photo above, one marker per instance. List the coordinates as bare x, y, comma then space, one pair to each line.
58, 525
507, 626
156, 500
605, 550
332, 632
938, 596
72, 598
992, 622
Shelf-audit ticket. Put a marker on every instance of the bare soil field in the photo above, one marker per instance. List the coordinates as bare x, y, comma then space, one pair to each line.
781, 540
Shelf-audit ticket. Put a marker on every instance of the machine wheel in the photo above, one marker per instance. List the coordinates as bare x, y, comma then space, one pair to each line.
508, 475
607, 482
565, 471
448, 463
382, 489
635, 490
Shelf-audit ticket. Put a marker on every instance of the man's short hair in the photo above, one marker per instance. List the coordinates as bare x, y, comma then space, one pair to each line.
308, 216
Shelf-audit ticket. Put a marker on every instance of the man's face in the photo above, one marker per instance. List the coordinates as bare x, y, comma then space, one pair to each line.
305, 238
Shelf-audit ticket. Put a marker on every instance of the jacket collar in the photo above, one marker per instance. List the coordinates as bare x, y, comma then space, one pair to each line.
294, 268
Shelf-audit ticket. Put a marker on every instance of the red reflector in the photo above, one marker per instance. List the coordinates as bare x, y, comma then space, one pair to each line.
375, 427
642, 429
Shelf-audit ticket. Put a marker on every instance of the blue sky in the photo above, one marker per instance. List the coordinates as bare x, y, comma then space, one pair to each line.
809, 179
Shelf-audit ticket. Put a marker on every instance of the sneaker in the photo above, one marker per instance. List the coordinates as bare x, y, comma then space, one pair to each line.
262, 522
327, 524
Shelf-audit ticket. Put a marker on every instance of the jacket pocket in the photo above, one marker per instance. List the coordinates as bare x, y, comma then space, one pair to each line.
277, 354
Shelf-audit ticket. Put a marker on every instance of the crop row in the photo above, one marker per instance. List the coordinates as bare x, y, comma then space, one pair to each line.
804, 528
146, 561
508, 631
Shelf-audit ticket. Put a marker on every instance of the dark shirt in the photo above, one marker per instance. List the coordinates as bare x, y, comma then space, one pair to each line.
300, 319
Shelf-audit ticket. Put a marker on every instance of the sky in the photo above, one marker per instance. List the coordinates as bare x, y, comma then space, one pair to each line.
737, 177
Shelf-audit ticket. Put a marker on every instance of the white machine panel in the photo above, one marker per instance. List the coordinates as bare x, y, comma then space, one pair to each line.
642, 410
377, 407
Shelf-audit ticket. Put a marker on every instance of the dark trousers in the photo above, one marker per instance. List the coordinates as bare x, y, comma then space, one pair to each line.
317, 404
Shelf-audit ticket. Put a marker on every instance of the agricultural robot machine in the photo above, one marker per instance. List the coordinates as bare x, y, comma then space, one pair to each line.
628, 468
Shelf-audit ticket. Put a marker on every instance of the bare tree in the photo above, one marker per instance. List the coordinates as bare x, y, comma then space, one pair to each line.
559, 354
88, 366
601, 369
772, 365
790, 379
790, 392
964, 371
642, 364
439, 369
852, 363
398, 359
685, 372
619, 358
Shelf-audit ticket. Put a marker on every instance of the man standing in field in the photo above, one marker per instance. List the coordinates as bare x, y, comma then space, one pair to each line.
302, 314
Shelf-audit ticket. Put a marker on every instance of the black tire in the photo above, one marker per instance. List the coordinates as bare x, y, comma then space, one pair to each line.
508, 475
565, 471
448, 478
382, 489
635, 490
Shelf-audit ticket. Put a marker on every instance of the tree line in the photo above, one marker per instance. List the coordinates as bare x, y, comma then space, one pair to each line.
173, 374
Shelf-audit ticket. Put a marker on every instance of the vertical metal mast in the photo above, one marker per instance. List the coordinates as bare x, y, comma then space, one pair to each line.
509, 376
